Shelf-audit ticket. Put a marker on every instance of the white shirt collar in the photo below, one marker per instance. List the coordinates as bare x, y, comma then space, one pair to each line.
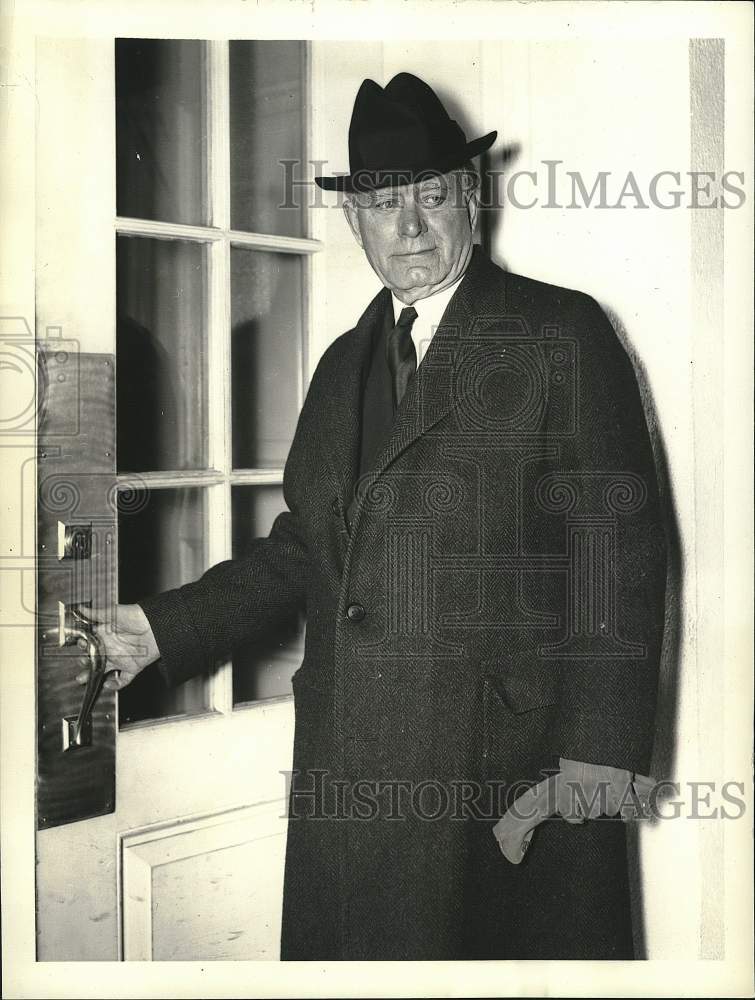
429, 314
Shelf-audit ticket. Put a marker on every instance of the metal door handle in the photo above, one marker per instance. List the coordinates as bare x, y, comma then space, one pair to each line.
75, 627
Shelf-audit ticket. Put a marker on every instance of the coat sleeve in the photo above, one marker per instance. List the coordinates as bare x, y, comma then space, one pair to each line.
607, 700
238, 600
233, 602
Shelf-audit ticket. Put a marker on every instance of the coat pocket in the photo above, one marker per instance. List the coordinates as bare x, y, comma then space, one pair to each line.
518, 716
525, 688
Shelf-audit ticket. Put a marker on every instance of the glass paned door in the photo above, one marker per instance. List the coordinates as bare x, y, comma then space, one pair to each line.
266, 355
212, 280
161, 293
161, 130
267, 97
162, 538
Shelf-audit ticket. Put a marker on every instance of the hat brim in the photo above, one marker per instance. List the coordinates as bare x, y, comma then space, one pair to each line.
374, 180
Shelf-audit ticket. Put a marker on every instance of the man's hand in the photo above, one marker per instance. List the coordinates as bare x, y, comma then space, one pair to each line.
129, 643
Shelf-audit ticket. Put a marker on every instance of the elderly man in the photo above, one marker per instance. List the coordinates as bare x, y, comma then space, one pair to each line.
474, 532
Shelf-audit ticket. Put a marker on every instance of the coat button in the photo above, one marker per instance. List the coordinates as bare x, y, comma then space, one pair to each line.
355, 612
335, 506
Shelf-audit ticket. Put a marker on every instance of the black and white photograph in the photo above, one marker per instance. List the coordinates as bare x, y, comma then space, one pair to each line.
376, 429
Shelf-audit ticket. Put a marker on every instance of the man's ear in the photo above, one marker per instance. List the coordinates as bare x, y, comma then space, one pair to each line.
473, 206
352, 217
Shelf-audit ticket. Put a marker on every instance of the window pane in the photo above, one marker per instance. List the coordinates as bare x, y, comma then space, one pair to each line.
161, 545
161, 351
267, 128
161, 134
266, 355
262, 669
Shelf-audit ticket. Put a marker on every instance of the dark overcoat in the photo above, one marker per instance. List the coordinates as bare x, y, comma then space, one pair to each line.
495, 603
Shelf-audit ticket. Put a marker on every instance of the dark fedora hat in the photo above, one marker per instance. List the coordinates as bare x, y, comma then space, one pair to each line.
399, 134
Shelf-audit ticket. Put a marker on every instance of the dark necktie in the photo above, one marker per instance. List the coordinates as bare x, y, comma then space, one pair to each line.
400, 353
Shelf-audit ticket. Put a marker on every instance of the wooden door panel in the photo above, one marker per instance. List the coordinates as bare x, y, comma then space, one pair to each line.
204, 889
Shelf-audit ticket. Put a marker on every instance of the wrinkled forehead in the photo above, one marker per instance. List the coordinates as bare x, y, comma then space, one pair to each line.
444, 184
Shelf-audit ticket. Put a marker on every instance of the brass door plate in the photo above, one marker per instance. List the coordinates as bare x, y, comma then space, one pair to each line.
76, 535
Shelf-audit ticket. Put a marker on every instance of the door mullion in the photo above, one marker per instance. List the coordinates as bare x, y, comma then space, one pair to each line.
219, 320
315, 271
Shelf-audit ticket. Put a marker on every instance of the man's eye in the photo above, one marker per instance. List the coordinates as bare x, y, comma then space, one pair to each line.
385, 203
433, 198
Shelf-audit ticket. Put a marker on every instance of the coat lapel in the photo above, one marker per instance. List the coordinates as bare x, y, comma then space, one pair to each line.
434, 391
344, 399
439, 385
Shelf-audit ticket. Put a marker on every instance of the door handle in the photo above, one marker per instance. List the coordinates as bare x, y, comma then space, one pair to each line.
74, 628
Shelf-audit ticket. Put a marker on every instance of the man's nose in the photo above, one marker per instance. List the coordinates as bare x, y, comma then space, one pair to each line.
410, 223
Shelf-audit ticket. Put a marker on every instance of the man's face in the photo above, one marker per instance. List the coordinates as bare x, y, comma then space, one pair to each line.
417, 237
